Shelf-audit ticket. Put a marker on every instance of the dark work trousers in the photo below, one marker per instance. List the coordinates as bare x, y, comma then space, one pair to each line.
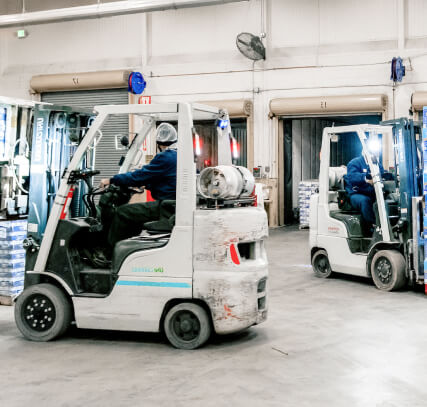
129, 219
365, 205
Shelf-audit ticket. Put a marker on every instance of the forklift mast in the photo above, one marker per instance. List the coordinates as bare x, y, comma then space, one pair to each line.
57, 132
15, 143
408, 167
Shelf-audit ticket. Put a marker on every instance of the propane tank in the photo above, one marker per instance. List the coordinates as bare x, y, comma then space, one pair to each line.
225, 182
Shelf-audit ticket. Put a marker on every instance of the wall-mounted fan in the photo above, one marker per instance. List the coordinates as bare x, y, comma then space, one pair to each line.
250, 46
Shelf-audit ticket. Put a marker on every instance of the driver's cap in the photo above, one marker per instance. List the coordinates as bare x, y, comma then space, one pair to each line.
166, 134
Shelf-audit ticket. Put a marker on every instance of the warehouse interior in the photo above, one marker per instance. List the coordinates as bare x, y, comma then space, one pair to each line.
223, 200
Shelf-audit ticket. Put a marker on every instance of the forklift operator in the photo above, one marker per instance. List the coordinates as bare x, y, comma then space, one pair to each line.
360, 188
159, 177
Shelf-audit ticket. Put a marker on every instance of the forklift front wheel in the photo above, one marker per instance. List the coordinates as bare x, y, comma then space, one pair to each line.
388, 270
187, 326
320, 264
43, 312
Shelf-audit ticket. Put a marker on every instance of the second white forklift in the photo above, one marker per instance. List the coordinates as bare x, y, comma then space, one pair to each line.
392, 257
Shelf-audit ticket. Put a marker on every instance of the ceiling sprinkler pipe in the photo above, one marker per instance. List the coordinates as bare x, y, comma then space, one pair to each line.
102, 9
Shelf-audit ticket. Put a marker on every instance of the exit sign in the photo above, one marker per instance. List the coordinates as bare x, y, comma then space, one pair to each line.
144, 100
21, 33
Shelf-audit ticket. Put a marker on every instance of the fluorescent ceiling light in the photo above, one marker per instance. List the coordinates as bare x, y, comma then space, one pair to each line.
103, 9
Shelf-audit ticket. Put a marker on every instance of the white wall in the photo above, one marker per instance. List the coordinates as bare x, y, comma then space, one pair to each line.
314, 47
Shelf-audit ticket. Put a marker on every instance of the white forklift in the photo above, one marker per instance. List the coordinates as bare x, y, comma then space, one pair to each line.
337, 241
208, 273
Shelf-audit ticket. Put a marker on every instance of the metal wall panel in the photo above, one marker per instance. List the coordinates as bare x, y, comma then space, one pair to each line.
107, 157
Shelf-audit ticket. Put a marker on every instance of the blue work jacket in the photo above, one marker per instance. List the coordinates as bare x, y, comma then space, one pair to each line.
355, 179
159, 176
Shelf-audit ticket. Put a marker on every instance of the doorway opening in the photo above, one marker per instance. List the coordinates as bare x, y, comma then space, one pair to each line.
302, 143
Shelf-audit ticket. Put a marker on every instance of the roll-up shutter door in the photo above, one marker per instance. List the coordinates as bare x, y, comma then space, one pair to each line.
239, 130
107, 157
240, 112
207, 132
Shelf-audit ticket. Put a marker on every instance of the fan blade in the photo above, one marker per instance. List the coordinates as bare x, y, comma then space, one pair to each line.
243, 42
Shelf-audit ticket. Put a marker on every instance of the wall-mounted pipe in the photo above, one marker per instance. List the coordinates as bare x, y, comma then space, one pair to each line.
103, 9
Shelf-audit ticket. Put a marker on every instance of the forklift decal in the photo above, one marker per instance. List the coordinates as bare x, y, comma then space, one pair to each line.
39, 140
148, 270
234, 255
153, 284
67, 203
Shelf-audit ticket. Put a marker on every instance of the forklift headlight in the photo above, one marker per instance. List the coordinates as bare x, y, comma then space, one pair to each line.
374, 146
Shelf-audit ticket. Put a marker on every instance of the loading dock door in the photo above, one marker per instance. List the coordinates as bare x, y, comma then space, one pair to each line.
302, 143
208, 134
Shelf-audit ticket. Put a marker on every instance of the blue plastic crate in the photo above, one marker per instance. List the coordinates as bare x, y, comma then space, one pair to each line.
11, 245
11, 255
11, 282
18, 236
12, 264
5, 274
10, 226
11, 292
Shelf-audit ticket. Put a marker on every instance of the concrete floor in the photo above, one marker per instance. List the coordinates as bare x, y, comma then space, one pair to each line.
337, 342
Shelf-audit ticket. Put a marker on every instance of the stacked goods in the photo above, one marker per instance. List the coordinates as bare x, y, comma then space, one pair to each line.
305, 190
12, 257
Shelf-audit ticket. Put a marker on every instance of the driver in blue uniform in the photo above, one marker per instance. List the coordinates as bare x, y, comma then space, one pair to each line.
159, 177
360, 188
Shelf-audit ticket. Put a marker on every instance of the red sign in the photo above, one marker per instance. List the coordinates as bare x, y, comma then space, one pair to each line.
144, 100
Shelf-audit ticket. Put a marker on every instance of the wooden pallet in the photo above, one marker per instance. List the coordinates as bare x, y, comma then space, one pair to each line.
6, 300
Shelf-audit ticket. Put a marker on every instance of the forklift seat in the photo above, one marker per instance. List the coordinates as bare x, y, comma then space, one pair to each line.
351, 221
126, 247
336, 178
340, 208
166, 221
338, 198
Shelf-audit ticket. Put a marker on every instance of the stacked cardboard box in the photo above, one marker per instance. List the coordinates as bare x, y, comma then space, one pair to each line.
12, 257
305, 190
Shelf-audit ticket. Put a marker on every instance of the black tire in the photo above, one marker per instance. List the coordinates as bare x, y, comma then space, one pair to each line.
388, 270
320, 264
43, 312
187, 326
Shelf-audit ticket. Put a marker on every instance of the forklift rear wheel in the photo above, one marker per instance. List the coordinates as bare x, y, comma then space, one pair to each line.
388, 270
187, 326
320, 263
43, 312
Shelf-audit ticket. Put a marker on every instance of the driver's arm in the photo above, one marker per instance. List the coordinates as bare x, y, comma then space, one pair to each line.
158, 167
